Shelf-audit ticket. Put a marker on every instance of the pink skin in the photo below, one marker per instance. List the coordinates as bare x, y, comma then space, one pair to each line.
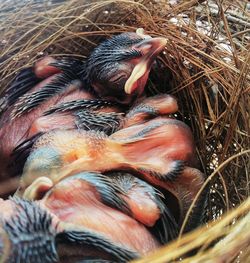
51, 122
76, 205
157, 149
77, 202
161, 105
16, 131
21, 128
13, 132
43, 69
143, 208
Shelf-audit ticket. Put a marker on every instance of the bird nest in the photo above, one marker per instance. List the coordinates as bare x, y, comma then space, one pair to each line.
205, 65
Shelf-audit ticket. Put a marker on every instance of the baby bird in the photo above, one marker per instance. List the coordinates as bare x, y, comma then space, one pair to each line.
91, 211
113, 77
161, 151
30, 232
142, 111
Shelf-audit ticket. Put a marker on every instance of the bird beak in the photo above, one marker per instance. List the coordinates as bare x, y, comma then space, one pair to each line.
150, 48
141, 33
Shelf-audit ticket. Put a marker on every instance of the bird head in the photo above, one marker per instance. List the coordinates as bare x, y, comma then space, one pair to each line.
30, 232
118, 68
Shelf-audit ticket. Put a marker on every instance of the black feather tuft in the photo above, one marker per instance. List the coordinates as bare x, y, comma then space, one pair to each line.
73, 105
96, 261
106, 57
23, 82
98, 242
31, 233
103, 122
70, 65
166, 228
20, 154
107, 189
31, 100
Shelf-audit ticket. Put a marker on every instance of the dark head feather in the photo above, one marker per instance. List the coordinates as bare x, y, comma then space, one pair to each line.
31, 233
108, 65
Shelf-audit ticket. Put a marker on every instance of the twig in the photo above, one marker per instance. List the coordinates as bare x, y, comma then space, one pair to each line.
230, 16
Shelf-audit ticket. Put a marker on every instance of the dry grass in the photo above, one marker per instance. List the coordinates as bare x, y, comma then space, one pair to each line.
232, 241
205, 65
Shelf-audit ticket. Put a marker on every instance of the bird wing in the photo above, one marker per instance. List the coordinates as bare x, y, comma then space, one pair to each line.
28, 78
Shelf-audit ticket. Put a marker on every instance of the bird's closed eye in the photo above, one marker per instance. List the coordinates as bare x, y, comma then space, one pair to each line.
118, 77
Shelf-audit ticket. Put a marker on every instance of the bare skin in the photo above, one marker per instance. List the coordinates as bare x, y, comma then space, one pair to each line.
148, 149
161, 150
30, 232
51, 83
117, 213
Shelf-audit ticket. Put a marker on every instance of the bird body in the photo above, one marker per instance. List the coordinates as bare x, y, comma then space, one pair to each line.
52, 83
107, 174
78, 201
105, 209
29, 232
161, 151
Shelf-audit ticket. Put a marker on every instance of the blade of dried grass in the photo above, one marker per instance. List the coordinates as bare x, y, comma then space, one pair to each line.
206, 235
